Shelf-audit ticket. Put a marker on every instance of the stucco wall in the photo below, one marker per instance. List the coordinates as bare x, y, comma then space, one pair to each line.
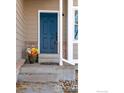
20, 34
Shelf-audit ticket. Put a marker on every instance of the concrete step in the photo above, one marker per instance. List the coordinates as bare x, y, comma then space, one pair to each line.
48, 60
23, 87
46, 73
51, 56
37, 68
44, 77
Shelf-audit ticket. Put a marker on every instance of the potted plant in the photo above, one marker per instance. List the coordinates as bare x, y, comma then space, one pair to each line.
31, 55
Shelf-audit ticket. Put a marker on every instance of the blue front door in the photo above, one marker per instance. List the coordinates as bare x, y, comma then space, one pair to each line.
48, 32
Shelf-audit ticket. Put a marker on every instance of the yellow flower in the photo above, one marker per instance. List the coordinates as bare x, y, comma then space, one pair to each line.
34, 51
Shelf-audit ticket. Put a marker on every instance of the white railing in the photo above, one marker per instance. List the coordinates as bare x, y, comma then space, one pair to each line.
70, 33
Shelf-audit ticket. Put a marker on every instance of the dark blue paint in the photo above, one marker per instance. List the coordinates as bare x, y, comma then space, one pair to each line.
48, 32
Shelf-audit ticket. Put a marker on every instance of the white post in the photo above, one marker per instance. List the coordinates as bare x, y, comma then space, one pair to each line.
61, 48
70, 31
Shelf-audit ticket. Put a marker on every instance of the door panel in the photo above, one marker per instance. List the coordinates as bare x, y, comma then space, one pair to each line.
48, 32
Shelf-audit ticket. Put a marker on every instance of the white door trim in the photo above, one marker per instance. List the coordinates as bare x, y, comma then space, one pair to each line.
70, 31
47, 11
61, 30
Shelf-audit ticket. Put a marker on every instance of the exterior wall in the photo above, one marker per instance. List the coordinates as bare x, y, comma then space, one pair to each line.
75, 51
20, 34
31, 8
75, 45
75, 2
65, 29
31, 16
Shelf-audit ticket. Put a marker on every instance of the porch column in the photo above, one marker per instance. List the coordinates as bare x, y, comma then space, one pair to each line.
70, 31
61, 30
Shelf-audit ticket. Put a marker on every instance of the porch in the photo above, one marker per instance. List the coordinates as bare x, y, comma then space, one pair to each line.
57, 58
29, 30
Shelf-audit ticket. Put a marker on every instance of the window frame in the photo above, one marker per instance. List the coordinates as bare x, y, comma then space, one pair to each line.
74, 9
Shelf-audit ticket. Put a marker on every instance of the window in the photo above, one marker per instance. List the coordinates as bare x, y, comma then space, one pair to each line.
75, 24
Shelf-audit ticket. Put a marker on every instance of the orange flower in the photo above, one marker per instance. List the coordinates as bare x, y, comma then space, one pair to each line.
34, 51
